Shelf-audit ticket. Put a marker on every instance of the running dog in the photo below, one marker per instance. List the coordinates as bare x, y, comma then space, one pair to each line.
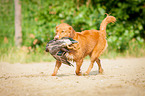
90, 42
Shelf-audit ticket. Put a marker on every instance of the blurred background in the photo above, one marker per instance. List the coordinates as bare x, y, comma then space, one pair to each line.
38, 19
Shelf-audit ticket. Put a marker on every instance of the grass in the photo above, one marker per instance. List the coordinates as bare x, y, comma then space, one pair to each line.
26, 55
20, 55
134, 50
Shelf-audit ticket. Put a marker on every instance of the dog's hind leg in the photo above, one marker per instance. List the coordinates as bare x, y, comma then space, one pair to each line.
57, 66
99, 65
90, 67
95, 57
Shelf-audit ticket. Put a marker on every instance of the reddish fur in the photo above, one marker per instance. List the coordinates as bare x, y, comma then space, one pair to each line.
91, 42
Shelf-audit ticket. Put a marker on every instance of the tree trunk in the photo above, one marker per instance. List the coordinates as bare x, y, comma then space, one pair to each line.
18, 29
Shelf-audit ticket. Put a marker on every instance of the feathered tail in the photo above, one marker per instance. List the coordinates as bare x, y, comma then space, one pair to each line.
104, 23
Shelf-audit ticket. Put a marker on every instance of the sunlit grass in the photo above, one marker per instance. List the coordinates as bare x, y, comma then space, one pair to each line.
134, 50
15, 55
26, 55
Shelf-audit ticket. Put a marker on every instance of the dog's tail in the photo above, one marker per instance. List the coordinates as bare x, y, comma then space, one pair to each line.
104, 23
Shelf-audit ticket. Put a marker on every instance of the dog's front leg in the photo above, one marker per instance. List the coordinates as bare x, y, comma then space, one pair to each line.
57, 66
78, 66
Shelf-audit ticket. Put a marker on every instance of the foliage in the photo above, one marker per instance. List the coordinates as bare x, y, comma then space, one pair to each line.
6, 22
45, 15
40, 17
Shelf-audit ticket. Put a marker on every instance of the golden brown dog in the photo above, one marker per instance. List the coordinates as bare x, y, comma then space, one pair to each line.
91, 42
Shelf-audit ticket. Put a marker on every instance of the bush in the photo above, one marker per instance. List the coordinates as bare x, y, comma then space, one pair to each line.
40, 17
45, 15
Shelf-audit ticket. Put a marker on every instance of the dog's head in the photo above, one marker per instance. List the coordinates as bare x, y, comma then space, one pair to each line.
64, 30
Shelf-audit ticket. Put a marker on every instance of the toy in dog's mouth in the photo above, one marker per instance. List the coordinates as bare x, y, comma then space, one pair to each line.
59, 48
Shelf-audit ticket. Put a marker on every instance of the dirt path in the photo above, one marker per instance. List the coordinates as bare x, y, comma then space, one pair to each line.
122, 77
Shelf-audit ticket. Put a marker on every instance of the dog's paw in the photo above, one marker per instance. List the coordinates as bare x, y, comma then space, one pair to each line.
79, 74
101, 71
53, 74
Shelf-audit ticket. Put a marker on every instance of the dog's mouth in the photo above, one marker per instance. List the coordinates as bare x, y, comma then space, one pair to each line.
59, 37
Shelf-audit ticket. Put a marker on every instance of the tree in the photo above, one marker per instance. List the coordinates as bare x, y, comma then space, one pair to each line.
18, 29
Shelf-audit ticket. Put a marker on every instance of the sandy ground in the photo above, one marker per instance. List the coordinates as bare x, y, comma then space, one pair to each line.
122, 77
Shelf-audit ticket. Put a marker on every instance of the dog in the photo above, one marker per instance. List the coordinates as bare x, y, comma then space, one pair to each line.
90, 42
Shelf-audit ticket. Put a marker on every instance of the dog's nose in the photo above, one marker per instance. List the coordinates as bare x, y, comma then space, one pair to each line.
47, 50
56, 37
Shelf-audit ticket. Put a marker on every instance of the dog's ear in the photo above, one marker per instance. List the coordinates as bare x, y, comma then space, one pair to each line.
72, 34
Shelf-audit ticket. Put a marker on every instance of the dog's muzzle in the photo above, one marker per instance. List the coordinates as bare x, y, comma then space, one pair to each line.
56, 37
47, 50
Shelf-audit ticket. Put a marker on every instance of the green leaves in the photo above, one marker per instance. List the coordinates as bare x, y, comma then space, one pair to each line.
41, 17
